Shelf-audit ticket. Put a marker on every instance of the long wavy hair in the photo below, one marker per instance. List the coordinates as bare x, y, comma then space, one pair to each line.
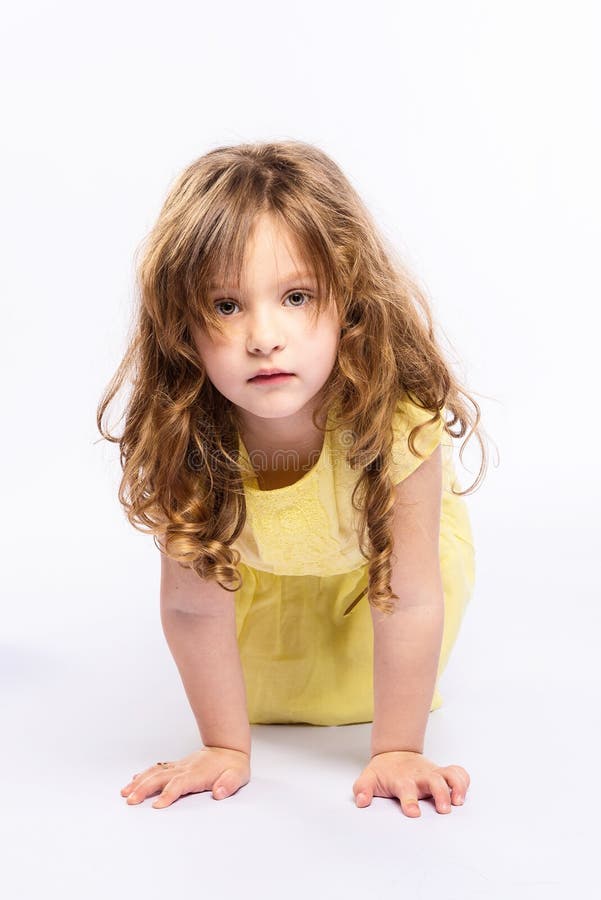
182, 475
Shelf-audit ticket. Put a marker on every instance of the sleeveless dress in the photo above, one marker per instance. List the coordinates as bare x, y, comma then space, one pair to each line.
305, 645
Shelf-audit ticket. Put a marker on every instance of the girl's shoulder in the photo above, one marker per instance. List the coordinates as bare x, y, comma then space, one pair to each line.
404, 461
407, 416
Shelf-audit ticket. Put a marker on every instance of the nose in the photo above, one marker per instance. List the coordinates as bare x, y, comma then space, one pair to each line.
265, 334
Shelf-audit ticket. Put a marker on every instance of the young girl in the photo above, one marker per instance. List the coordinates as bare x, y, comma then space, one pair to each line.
286, 444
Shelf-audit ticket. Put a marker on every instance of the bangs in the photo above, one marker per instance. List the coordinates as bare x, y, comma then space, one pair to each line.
224, 256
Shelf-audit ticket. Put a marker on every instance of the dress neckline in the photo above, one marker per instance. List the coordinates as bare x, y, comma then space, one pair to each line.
252, 484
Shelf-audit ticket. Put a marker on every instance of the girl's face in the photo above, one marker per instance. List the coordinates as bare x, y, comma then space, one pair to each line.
267, 324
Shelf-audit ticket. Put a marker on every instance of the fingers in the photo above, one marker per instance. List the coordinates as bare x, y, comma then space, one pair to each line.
145, 786
458, 780
363, 797
185, 782
226, 785
138, 778
174, 789
441, 793
363, 789
408, 792
147, 782
171, 788
446, 785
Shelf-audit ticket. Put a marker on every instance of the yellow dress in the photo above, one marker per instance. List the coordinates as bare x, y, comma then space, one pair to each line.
304, 659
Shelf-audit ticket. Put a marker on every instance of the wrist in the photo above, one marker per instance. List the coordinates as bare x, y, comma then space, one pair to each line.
411, 751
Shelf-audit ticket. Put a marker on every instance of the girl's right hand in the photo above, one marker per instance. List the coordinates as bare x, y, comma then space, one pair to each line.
215, 769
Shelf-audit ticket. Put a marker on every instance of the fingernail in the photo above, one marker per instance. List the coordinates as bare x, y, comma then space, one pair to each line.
219, 793
361, 798
459, 799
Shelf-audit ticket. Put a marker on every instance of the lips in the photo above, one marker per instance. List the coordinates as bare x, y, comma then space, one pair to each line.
271, 380
269, 374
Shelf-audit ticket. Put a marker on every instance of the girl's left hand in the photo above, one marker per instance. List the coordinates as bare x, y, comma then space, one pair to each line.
410, 777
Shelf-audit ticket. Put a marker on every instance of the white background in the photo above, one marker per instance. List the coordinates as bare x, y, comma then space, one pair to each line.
472, 132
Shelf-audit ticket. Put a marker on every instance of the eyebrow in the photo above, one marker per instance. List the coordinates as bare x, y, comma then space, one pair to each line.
291, 277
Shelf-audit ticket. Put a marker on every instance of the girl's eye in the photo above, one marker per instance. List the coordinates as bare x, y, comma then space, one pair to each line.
223, 303
299, 294
307, 296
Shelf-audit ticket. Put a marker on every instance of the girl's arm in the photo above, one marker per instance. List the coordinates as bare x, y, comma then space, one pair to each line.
199, 623
406, 652
407, 643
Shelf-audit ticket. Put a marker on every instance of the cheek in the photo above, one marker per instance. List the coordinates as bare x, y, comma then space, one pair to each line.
212, 351
332, 341
201, 342
325, 354
218, 363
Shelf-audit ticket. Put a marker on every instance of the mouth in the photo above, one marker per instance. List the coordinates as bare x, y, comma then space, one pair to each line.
271, 379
